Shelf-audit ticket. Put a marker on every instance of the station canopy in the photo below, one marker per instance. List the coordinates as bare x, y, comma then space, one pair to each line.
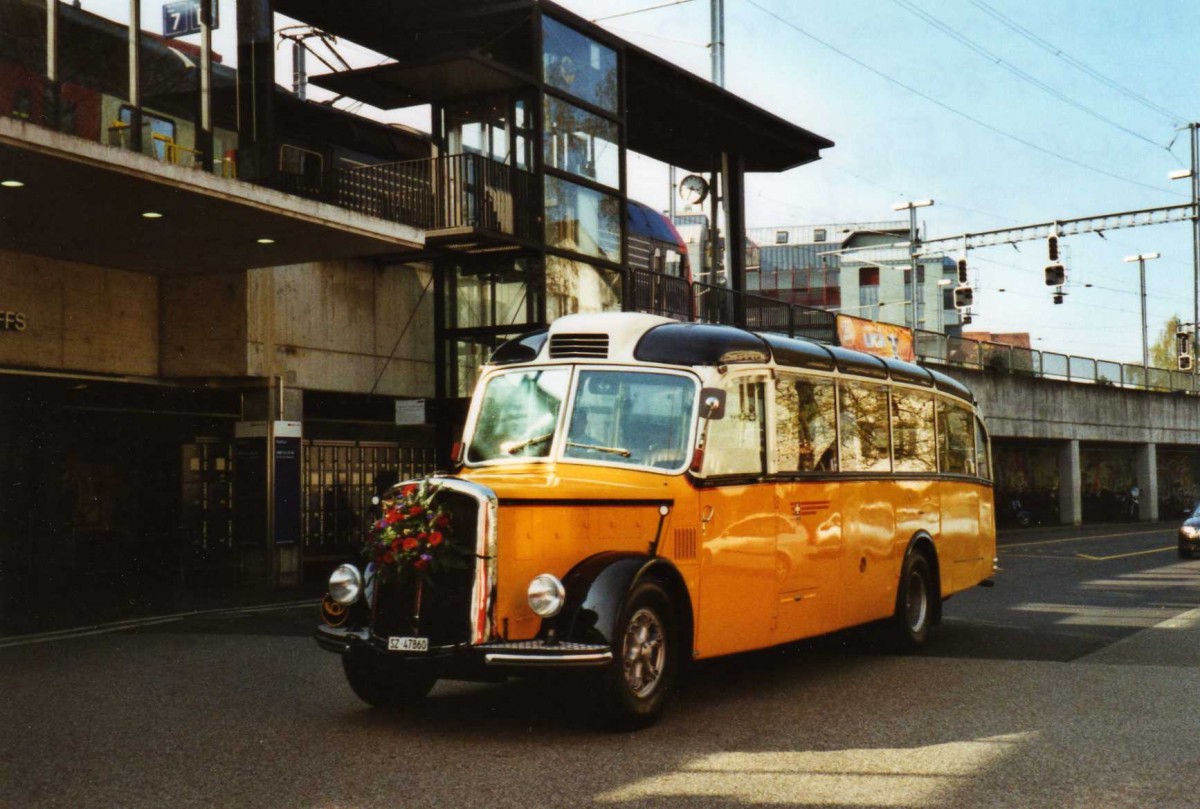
451, 49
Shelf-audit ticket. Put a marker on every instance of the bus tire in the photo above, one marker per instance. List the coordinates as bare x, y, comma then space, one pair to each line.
914, 603
382, 684
635, 687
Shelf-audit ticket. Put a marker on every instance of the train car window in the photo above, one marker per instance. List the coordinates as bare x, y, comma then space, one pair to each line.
305, 166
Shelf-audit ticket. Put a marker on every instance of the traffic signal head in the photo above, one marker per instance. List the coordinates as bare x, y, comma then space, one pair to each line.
1183, 343
1056, 275
962, 271
1058, 298
1185, 362
1052, 247
964, 296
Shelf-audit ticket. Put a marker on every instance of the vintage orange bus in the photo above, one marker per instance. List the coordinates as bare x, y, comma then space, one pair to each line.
633, 493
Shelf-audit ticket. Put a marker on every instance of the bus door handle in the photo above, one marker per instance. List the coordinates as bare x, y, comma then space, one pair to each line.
707, 515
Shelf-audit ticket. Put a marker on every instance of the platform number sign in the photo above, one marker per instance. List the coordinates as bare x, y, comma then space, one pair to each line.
183, 18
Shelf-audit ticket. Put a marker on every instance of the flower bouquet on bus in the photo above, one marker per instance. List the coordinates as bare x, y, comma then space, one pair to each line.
413, 538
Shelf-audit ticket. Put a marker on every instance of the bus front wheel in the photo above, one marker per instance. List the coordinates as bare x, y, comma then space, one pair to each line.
635, 687
914, 602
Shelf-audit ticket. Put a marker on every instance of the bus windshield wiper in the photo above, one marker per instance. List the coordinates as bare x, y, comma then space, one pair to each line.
624, 453
509, 447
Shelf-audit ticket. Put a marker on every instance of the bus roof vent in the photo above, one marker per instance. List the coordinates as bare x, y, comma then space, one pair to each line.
587, 346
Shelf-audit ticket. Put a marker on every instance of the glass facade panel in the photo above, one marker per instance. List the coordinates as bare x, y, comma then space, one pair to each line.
579, 66
576, 286
581, 143
582, 220
490, 295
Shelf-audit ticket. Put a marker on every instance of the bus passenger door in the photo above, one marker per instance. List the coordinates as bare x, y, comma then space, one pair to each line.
737, 527
808, 554
809, 544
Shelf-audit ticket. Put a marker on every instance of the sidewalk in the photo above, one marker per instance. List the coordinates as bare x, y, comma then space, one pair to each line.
83, 608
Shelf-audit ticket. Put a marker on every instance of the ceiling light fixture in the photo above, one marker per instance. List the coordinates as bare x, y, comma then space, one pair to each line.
151, 215
265, 240
12, 183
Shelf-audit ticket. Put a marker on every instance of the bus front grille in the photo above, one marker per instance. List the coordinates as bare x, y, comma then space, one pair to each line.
439, 609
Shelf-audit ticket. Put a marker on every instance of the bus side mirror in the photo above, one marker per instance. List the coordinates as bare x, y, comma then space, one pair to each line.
712, 404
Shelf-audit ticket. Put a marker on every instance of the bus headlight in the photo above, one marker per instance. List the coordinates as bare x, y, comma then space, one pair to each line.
546, 595
1190, 531
345, 585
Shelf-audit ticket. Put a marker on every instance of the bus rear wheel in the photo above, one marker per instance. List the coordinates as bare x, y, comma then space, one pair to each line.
635, 687
914, 603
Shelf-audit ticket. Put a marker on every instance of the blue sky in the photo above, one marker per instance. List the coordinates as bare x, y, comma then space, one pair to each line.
899, 142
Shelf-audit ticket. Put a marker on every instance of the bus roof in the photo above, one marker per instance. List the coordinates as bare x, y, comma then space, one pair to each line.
654, 339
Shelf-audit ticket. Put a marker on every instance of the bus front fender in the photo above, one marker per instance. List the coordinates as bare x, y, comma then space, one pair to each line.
596, 590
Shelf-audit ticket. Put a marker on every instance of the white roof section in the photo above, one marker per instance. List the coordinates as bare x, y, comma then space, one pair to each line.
623, 329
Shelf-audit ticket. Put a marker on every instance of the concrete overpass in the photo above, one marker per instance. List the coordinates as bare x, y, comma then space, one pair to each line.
1100, 439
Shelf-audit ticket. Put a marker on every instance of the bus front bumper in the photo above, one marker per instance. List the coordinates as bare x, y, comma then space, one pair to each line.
521, 654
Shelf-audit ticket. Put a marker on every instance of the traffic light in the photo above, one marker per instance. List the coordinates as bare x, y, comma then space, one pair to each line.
1058, 298
964, 296
1183, 343
1052, 247
962, 270
1056, 275
1185, 362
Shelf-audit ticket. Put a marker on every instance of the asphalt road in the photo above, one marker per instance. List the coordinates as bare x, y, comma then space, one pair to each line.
1074, 682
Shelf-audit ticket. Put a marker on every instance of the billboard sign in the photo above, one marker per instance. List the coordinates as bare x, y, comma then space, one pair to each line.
872, 337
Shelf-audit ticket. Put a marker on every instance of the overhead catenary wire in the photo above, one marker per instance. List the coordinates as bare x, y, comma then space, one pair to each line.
978, 122
1174, 117
1018, 72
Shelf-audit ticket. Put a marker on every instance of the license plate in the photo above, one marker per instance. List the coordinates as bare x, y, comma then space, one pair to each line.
408, 644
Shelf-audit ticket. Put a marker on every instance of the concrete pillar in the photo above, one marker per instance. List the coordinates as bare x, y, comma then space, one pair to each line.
1146, 472
1070, 484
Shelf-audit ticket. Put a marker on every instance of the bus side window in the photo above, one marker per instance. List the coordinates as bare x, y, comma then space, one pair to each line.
736, 442
804, 425
981, 451
912, 431
863, 427
956, 439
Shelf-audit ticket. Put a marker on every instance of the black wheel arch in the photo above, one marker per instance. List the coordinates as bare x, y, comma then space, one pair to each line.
598, 587
922, 543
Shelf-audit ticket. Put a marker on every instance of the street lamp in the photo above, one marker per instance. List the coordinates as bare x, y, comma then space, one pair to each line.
913, 245
1141, 259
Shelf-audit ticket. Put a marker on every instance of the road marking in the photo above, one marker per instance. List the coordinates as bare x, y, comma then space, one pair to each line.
1091, 558
138, 623
1080, 538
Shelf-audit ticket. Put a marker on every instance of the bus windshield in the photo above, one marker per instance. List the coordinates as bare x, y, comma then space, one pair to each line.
624, 417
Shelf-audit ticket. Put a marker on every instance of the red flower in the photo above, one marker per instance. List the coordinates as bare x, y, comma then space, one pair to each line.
442, 521
396, 544
416, 511
410, 544
420, 563
435, 539
393, 515
389, 558
409, 490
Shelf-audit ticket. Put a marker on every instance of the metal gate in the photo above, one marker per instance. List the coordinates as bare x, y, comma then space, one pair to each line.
340, 479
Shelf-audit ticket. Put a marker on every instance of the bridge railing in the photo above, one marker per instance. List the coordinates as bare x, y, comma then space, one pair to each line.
939, 349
